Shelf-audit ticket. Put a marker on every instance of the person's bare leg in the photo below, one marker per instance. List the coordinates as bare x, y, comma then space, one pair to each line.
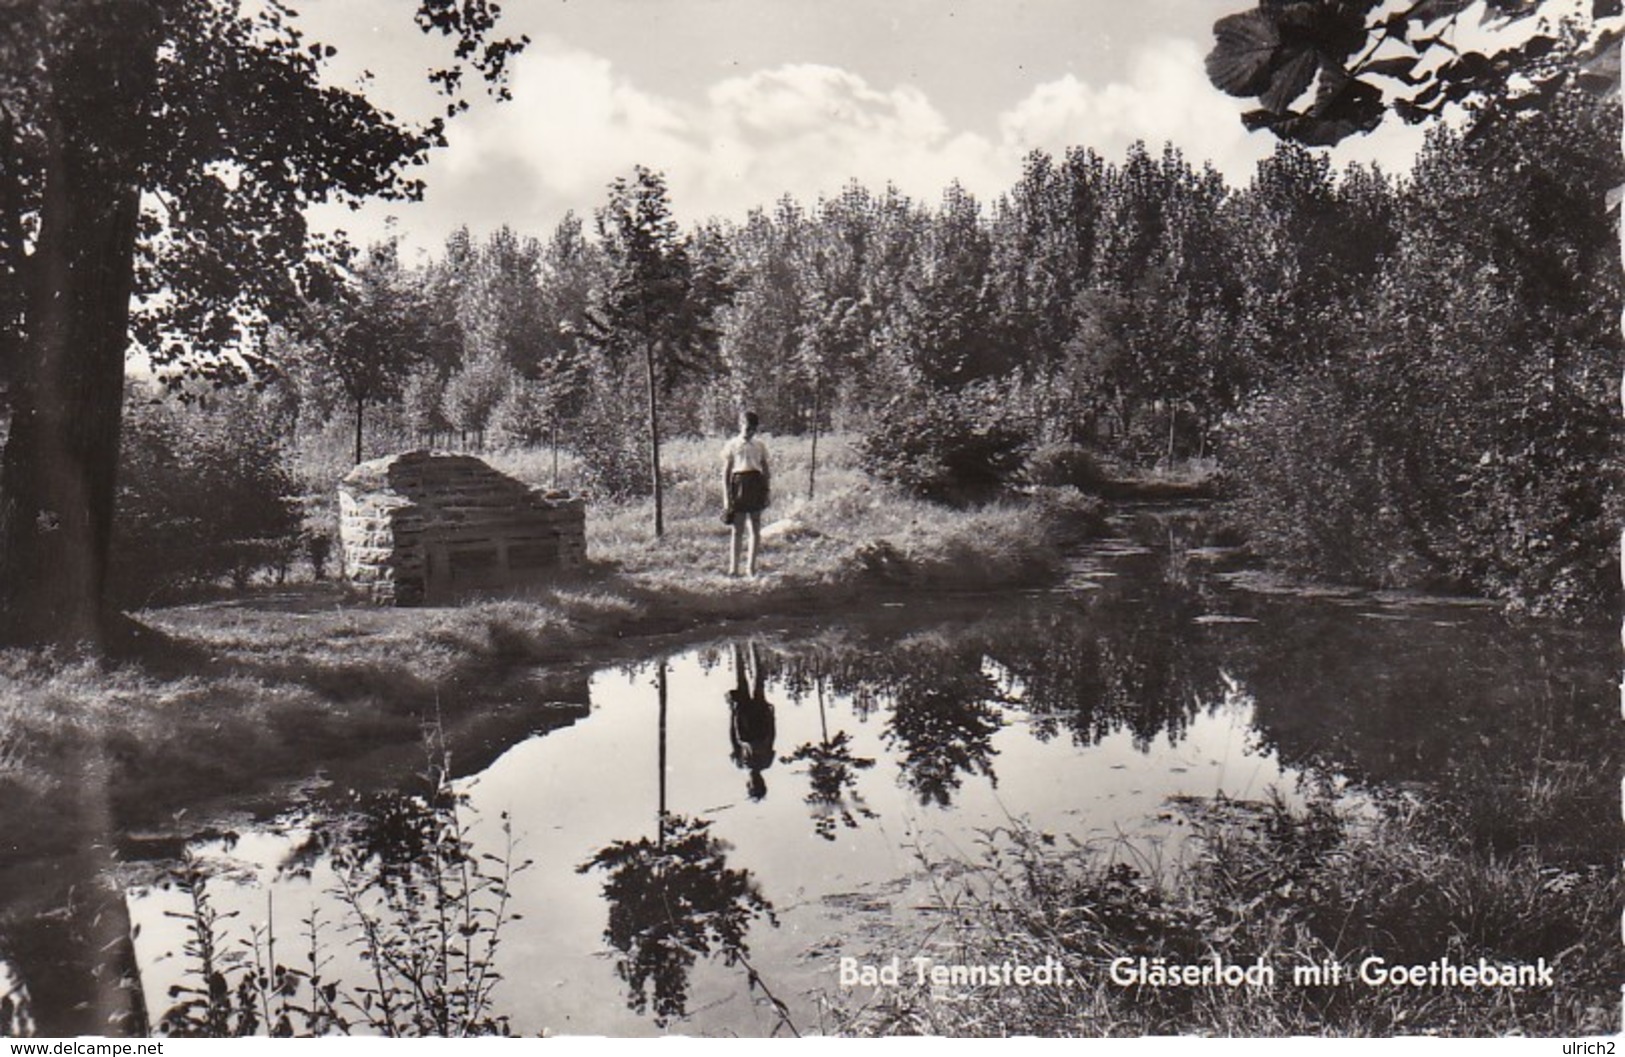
755, 543
734, 539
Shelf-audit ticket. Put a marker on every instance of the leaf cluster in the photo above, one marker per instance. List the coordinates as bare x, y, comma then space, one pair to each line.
239, 134
1365, 57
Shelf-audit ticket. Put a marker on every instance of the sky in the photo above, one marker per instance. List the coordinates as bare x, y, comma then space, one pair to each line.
738, 102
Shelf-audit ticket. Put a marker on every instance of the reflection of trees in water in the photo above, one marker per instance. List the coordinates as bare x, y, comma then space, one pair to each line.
832, 775
1503, 709
391, 834
1128, 657
1105, 664
943, 722
671, 900
1335, 692
1146, 670
847, 663
1407, 700
940, 705
674, 898
832, 772
1498, 718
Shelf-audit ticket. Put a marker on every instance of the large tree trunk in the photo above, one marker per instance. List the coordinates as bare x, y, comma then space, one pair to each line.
12, 262
58, 472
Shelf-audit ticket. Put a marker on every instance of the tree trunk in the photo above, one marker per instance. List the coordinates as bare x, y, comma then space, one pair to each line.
13, 265
812, 462
654, 440
58, 474
660, 690
359, 405
555, 447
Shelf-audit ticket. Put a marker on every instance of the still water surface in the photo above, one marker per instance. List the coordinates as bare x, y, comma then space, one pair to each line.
722, 821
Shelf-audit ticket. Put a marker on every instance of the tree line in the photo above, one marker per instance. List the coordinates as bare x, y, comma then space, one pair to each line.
1097, 293
1406, 380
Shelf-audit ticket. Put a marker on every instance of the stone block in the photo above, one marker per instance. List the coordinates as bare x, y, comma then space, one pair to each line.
420, 526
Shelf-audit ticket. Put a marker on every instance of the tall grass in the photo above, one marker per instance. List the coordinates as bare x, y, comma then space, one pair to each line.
1294, 887
834, 531
847, 530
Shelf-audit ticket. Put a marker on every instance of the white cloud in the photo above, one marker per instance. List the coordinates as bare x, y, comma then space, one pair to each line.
1166, 98
572, 125
807, 98
576, 122
808, 129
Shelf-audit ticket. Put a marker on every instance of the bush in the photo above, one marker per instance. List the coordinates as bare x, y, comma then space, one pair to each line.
947, 446
1059, 465
1073, 515
421, 909
608, 432
1311, 488
319, 532
524, 416
203, 493
472, 394
1287, 886
1347, 476
614, 464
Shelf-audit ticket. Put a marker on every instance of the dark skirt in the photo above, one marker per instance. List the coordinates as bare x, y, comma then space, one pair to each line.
747, 492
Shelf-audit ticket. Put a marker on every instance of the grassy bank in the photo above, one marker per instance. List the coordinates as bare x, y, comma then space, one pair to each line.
275, 682
853, 538
1409, 883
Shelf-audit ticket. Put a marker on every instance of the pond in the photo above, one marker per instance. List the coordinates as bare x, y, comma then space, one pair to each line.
696, 837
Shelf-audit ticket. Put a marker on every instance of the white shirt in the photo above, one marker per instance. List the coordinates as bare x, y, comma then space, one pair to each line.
740, 455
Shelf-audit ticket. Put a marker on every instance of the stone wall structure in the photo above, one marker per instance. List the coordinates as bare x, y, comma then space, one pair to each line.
425, 528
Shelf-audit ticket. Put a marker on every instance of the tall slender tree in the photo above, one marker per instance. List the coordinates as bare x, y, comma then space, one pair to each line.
368, 334
648, 309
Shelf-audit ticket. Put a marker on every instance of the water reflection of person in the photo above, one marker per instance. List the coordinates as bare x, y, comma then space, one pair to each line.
751, 727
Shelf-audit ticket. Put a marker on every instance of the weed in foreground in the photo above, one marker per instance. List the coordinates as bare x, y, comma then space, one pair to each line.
1288, 887
422, 910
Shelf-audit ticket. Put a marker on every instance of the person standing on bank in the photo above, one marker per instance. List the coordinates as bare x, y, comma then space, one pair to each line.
745, 492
